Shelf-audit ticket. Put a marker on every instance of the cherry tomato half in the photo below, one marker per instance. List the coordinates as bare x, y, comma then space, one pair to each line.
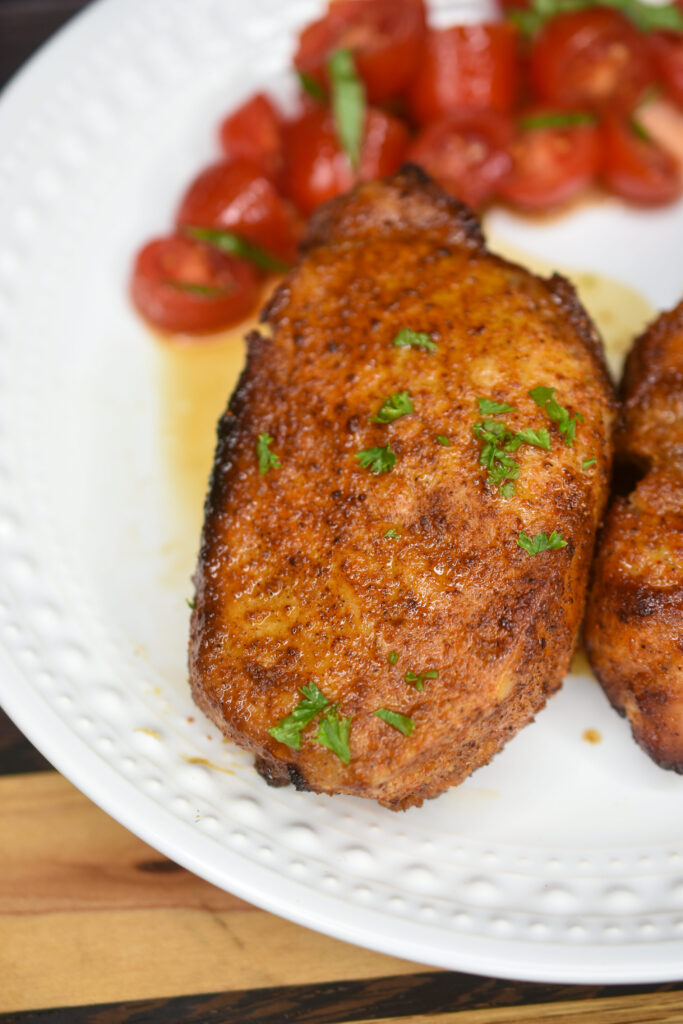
466, 153
384, 35
253, 132
667, 50
590, 58
185, 286
551, 164
466, 66
318, 168
635, 167
237, 196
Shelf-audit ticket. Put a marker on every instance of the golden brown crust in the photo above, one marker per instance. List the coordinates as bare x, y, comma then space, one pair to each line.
296, 579
634, 621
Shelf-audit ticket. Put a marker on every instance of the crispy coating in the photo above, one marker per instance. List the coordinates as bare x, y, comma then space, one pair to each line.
297, 579
634, 622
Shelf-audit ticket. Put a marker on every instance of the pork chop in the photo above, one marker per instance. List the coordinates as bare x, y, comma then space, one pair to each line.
367, 620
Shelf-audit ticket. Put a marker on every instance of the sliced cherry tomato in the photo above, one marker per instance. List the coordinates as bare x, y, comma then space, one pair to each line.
635, 167
185, 286
590, 58
384, 35
318, 168
466, 153
552, 161
466, 66
667, 49
237, 196
253, 132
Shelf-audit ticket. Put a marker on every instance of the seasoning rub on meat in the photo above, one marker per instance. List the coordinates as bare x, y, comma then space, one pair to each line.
403, 505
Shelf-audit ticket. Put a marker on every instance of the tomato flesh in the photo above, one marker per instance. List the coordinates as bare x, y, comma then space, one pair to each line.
667, 49
181, 285
237, 196
637, 168
384, 35
465, 153
590, 58
253, 132
551, 165
317, 168
466, 66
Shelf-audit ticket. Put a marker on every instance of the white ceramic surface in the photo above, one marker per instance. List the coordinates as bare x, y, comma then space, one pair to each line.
560, 860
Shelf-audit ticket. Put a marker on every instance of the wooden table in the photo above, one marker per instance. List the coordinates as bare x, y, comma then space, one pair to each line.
97, 926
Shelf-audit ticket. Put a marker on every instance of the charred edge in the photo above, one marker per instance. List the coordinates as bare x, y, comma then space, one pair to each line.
565, 294
274, 774
641, 369
634, 601
412, 176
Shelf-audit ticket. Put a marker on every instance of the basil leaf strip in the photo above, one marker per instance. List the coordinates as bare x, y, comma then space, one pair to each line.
235, 245
348, 104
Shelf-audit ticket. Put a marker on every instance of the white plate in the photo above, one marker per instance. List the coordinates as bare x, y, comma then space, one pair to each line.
559, 861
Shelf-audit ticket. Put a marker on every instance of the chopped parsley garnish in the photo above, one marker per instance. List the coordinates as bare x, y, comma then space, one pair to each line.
442, 439
407, 338
587, 463
311, 85
392, 657
544, 398
400, 722
394, 407
377, 460
487, 407
191, 603
334, 734
266, 459
645, 16
541, 542
348, 103
418, 678
392, 534
556, 119
537, 438
290, 728
235, 245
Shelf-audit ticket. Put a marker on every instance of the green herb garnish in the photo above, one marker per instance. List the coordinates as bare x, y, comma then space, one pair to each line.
334, 734
290, 728
544, 398
587, 463
645, 16
377, 460
418, 678
393, 408
442, 439
392, 657
348, 103
556, 119
266, 459
392, 534
206, 291
191, 603
640, 131
235, 245
400, 722
407, 338
312, 86
541, 542
487, 407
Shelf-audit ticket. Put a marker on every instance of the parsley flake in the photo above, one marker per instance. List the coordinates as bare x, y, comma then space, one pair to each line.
392, 657
392, 534
393, 408
545, 399
266, 459
403, 723
442, 439
377, 460
487, 407
348, 103
587, 463
541, 542
407, 338
290, 728
191, 603
334, 734
418, 678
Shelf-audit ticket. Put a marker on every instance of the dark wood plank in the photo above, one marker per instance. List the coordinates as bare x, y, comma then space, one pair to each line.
374, 999
17, 755
25, 25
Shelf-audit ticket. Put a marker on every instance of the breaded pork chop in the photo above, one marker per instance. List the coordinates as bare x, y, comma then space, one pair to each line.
634, 622
366, 621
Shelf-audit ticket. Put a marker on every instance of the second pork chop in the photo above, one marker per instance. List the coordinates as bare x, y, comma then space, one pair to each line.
403, 505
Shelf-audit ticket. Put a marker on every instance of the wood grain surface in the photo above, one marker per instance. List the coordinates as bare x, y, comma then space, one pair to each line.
95, 926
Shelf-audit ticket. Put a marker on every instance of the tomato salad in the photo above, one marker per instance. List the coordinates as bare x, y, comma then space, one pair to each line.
529, 110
